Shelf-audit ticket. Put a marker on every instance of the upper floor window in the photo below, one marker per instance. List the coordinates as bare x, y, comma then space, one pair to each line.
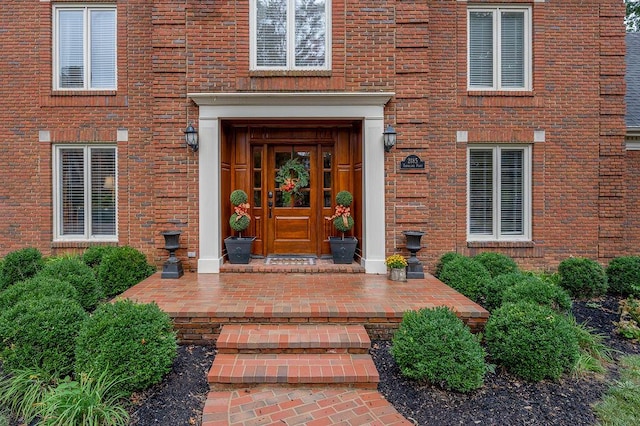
85, 184
84, 46
499, 191
290, 34
499, 48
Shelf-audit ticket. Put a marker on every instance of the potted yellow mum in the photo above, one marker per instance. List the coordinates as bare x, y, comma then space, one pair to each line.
397, 266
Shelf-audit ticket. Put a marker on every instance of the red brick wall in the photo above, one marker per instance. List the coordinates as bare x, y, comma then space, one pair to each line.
416, 49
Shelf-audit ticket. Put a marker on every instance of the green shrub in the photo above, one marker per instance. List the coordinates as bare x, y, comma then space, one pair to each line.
582, 277
534, 290
135, 343
623, 276
80, 276
531, 341
435, 345
20, 265
89, 401
37, 287
40, 333
93, 255
466, 276
122, 268
444, 259
493, 291
497, 263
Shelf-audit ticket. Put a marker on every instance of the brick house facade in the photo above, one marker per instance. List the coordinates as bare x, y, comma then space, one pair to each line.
404, 63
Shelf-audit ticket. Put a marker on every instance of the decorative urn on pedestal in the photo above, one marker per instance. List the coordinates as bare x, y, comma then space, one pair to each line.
415, 268
172, 268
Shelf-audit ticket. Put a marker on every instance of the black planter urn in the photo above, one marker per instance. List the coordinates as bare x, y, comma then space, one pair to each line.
239, 249
172, 268
414, 268
343, 249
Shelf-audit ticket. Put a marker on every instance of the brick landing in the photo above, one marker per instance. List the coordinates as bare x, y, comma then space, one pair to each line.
201, 304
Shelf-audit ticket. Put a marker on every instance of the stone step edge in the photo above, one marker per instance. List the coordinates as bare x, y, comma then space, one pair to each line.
293, 369
293, 338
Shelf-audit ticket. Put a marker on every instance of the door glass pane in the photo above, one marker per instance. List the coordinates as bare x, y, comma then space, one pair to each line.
327, 180
257, 198
302, 199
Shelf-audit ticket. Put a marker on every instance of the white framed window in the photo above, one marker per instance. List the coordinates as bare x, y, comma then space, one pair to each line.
499, 193
290, 34
85, 192
499, 48
84, 47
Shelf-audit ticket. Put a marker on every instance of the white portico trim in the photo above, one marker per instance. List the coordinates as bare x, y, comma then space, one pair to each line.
368, 107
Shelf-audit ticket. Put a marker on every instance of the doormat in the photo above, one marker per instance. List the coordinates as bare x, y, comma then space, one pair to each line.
290, 260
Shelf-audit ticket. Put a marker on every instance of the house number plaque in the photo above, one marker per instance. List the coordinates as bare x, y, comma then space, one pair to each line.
411, 162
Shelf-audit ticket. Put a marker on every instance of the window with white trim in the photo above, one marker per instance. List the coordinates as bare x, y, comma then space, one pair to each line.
290, 34
84, 46
85, 188
499, 193
499, 48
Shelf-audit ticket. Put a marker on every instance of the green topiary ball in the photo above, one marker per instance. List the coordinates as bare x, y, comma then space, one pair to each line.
133, 342
534, 290
37, 287
339, 224
444, 259
94, 254
238, 197
20, 265
497, 263
623, 276
122, 268
79, 275
239, 224
582, 277
531, 341
344, 198
493, 291
40, 333
435, 345
466, 276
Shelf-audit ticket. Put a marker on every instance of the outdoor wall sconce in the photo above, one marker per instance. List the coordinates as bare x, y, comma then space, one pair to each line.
389, 138
191, 137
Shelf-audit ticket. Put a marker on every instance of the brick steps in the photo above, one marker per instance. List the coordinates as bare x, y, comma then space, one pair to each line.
288, 338
248, 364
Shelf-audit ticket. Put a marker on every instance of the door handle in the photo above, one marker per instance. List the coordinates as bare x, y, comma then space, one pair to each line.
270, 204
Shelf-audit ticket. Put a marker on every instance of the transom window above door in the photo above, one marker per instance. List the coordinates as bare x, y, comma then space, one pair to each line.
290, 34
499, 48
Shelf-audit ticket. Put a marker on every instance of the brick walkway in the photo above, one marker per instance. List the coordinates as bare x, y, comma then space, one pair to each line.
293, 345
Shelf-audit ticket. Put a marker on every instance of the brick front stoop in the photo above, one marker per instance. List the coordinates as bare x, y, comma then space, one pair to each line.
313, 375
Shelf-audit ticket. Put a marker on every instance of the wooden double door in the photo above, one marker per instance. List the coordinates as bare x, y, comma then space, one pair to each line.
286, 222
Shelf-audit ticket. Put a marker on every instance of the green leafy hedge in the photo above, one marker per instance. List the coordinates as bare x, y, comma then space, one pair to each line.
122, 268
623, 275
497, 263
582, 278
80, 276
20, 265
467, 276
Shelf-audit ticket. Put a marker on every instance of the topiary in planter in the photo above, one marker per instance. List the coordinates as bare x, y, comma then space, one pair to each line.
497, 263
535, 290
240, 218
342, 219
532, 341
444, 259
623, 276
40, 333
122, 268
20, 265
94, 254
582, 278
80, 276
133, 342
466, 276
435, 345
37, 287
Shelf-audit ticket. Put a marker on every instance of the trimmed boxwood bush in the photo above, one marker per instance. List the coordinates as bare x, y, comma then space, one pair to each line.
533, 289
40, 333
80, 276
531, 341
133, 342
466, 276
582, 278
20, 265
623, 276
494, 290
444, 259
122, 268
497, 263
94, 254
435, 345
37, 287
